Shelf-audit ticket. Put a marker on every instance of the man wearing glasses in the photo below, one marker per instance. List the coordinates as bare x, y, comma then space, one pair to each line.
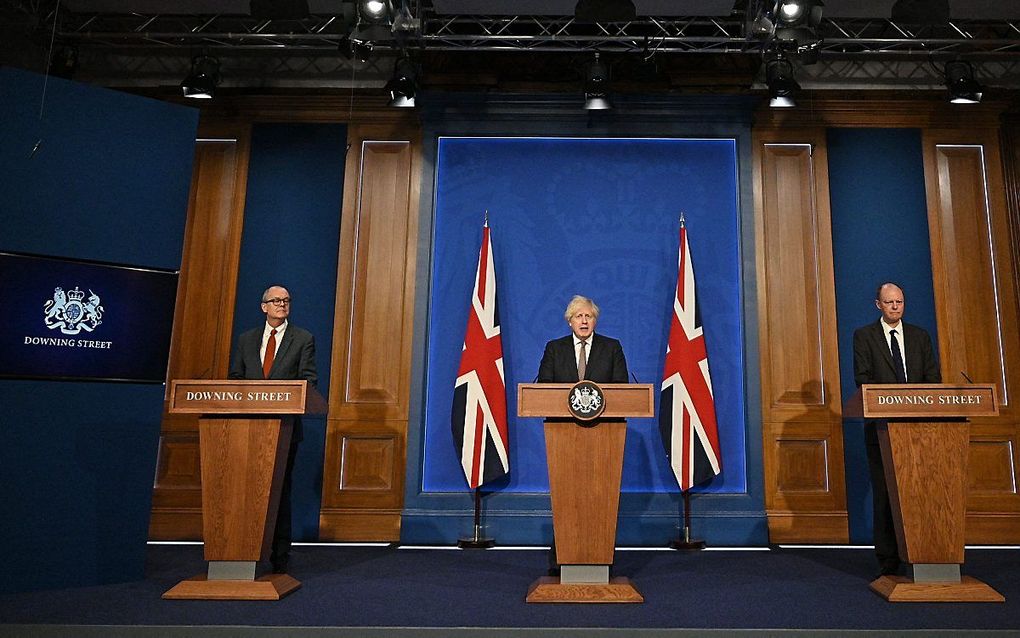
277, 350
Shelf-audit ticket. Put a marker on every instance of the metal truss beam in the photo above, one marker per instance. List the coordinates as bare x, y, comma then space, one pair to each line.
155, 49
979, 39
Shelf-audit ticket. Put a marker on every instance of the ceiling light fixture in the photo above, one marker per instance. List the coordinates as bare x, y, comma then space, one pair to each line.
792, 25
963, 88
204, 77
596, 86
375, 11
403, 85
781, 82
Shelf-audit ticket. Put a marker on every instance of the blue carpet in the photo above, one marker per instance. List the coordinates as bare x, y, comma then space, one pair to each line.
389, 587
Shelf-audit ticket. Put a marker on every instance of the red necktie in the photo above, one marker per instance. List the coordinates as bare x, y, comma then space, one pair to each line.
267, 361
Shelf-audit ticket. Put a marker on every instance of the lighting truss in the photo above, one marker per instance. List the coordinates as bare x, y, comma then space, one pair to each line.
320, 33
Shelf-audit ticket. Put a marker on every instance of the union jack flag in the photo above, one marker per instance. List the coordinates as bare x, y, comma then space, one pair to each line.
686, 407
479, 395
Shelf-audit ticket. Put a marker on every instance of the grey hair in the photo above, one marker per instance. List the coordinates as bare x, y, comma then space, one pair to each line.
265, 293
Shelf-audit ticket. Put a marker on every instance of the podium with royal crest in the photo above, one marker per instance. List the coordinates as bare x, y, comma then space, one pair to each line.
585, 434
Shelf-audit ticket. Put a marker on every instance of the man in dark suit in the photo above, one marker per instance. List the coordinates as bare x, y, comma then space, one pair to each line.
277, 350
889, 351
602, 356
581, 355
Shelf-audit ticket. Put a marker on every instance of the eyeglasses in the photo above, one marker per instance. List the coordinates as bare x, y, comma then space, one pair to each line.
278, 302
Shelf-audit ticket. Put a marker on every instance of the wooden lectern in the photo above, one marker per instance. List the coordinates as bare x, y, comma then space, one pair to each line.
925, 440
244, 438
585, 462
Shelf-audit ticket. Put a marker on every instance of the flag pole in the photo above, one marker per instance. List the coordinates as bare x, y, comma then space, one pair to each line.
476, 540
685, 541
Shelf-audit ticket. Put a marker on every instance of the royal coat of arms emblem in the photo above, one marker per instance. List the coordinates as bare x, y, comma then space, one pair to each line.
586, 401
71, 312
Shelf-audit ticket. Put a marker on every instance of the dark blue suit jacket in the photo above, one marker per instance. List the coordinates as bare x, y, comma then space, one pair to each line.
295, 359
873, 362
605, 361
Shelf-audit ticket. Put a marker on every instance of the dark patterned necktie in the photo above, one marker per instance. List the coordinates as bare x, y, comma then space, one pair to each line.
897, 358
582, 363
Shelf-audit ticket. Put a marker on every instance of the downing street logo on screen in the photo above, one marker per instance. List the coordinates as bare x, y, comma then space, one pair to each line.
68, 312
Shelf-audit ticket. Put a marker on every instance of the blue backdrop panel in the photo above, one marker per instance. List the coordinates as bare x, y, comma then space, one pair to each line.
109, 182
597, 217
880, 233
291, 234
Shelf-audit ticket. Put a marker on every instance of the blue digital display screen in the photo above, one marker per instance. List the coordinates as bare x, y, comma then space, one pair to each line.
72, 319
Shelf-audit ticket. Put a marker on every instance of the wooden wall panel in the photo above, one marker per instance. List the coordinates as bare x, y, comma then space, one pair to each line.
805, 493
366, 436
976, 305
200, 345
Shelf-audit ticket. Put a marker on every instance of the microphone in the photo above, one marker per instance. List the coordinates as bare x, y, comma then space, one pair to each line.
634, 377
969, 380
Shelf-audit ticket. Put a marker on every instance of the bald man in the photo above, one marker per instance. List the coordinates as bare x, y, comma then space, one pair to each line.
889, 351
291, 355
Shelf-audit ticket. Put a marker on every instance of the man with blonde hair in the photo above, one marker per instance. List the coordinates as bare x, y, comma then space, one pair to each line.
583, 354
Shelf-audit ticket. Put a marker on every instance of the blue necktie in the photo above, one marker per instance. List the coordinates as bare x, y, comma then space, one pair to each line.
897, 358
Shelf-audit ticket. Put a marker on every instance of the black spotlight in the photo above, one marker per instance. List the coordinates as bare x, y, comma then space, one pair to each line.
403, 85
596, 86
376, 11
781, 81
796, 23
963, 88
205, 75
355, 49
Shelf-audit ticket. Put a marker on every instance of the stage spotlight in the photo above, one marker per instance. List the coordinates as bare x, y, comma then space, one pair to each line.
375, 11
796, 23
963, 88
355, 49
791, 12
800, 12
204, 77
596, 86
781, 82
403, 85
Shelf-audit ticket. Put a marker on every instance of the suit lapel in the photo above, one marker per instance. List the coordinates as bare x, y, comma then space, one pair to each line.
252, 351
594, 355
913, 353
878, 334
288, 337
